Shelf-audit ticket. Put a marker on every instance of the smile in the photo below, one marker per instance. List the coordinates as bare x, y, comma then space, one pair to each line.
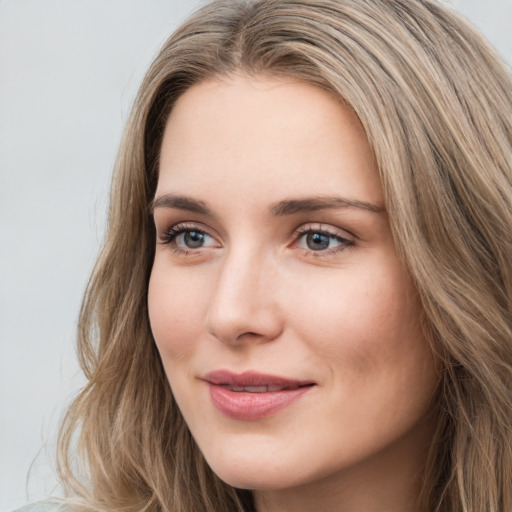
252, 396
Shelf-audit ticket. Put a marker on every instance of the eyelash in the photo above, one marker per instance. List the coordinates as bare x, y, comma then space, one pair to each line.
170, 235
169, 238
345, 243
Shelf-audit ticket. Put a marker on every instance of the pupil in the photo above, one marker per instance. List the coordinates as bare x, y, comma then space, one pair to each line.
193, 239
317, 241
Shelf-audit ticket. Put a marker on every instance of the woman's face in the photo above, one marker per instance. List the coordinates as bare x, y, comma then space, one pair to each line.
287, 326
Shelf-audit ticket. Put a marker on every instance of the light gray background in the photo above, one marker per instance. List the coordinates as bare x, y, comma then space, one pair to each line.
69, 70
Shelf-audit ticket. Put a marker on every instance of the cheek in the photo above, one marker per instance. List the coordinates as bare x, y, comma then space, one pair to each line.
361, 320
176, 314
365, 331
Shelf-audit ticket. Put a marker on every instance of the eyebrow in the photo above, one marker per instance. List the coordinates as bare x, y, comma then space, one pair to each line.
181, 203
279, 209
291, 206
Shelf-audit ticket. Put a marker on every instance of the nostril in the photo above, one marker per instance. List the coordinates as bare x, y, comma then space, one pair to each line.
249, 334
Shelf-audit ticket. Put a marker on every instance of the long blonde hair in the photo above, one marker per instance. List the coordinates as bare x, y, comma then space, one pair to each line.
436, 103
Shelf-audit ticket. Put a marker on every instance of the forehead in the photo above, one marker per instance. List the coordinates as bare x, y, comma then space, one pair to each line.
266, 135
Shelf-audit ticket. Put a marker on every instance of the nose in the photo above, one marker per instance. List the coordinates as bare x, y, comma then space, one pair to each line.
244, 306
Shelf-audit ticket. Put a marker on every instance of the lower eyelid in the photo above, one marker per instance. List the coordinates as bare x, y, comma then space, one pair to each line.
346, 245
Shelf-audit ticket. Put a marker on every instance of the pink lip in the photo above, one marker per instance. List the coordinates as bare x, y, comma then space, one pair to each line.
247, 405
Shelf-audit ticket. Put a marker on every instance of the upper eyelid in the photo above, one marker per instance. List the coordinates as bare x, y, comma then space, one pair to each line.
324, 228
187, 226
304, 226
176, 229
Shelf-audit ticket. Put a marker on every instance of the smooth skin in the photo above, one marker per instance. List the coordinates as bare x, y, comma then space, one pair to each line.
274, 254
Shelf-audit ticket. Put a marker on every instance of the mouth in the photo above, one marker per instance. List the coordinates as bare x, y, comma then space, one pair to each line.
258, 389
253, 382
252, 395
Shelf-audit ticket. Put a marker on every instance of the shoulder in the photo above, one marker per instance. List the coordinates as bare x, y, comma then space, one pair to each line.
46, 506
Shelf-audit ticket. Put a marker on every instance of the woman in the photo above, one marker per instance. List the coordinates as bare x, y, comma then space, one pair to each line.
305, 297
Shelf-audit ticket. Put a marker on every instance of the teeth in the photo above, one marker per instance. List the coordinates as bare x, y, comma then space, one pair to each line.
255, 389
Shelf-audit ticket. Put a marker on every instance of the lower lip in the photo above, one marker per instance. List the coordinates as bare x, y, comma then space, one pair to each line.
253, 406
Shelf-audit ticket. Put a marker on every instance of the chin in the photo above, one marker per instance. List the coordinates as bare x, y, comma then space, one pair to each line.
246, 479
258, 473
243, 474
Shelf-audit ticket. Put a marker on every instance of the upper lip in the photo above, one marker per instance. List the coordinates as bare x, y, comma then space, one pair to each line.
252, 378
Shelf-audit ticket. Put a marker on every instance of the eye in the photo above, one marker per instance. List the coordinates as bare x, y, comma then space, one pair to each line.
192, 239
321, 240
187, 238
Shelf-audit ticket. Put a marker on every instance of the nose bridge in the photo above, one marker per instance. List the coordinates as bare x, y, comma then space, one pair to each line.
243, 302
